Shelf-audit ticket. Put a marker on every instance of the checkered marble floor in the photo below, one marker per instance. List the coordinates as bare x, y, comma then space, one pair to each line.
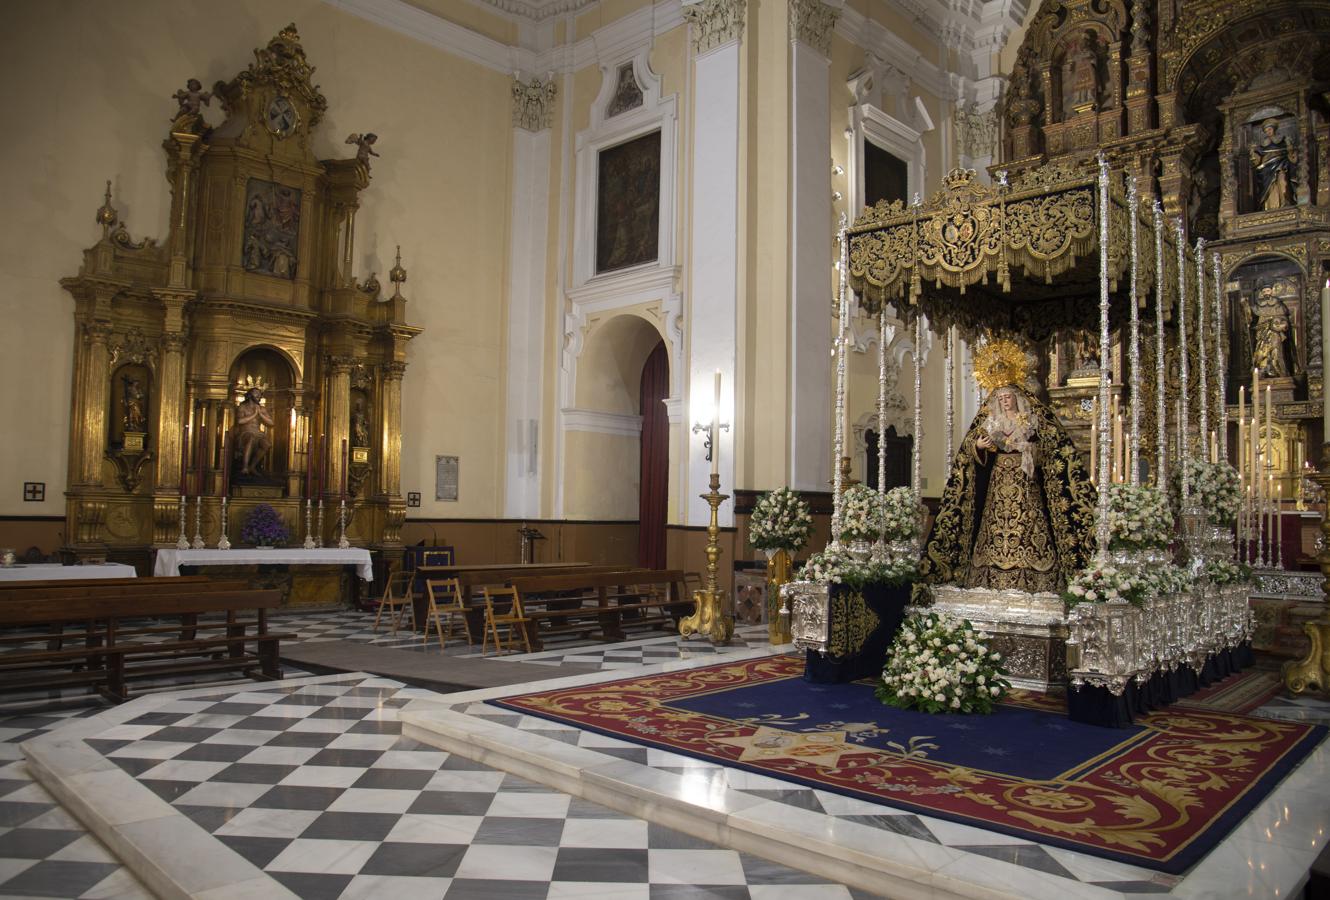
312, 783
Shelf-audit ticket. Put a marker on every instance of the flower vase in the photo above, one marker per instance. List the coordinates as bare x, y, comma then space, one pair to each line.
779, 567
860, 550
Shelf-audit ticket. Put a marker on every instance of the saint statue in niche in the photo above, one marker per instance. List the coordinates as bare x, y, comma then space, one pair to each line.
359, 424
1018, 511
1271, 328
135, 417
1081, 75
251, 438
1272, 163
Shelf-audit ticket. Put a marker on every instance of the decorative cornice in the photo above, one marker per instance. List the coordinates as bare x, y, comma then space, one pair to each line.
714, 23
812, 22
533, 103
623, 424
538, 12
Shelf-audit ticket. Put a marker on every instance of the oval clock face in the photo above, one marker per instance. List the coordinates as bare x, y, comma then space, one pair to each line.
282, 116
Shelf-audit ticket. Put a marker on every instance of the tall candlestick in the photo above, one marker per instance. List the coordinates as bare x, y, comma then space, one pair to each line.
916, 481
1161, 409
1134, 344
1184, 430
715, 430
346, 464
1269, 553
1102, 510
843, 317
1221, 374
1269, 446
1202, 369
882, 402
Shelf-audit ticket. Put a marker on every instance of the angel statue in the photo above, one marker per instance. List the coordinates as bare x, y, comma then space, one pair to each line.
364, 146
1018, 511
190, 99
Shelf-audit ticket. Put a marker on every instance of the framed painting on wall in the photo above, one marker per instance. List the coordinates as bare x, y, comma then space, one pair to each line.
628, 204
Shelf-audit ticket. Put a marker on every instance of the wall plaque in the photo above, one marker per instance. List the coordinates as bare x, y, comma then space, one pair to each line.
445, 478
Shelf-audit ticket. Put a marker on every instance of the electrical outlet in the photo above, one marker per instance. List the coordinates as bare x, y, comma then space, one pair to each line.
34, 491
413, 498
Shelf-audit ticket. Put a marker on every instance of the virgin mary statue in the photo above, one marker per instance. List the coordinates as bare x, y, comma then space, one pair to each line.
1018, 512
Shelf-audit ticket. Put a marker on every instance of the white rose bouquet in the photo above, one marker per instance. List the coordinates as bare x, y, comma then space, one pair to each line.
939, 663
781, 521
1226, 571
1167, 579
1101, 583
1139, 517
861, 514
1216, 488
835, 566
900, 515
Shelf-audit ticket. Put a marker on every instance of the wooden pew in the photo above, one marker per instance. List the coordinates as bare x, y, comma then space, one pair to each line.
586, 602
107, 664
471, 578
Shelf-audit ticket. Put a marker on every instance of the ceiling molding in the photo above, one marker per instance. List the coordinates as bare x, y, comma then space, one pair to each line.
611, 41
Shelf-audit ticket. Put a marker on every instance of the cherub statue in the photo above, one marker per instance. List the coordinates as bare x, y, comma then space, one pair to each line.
191, 99
364, 146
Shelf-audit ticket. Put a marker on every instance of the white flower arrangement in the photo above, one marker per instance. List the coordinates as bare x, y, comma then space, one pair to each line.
1167, 579
781, 520
835, 566
1225, 571
1215, 487
900, 515
939, 663
861, 514
1139, 517
1100, 583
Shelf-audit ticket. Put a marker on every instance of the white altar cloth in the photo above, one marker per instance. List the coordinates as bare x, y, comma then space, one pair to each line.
52, 571
170, 560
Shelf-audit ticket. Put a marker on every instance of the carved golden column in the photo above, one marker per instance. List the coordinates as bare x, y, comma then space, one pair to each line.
339, 420
181, 167
171, 418
390, 438
91, 403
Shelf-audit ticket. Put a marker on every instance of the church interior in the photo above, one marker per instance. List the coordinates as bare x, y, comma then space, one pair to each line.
454, 431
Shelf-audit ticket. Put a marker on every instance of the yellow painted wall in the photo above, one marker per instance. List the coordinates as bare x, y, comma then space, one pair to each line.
89, 99
599, 483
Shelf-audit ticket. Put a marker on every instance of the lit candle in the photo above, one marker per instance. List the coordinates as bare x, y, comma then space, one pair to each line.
184, 462
1279, 524
346, 464
715, 430
1214, 446
1242, 410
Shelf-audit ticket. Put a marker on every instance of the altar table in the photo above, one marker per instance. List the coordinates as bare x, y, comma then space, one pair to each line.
305, 577
54, 571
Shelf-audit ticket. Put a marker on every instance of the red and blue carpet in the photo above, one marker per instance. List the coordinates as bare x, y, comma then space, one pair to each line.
1160, 794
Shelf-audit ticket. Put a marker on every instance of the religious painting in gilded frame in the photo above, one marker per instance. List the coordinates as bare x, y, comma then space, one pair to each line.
270, 245
628, 204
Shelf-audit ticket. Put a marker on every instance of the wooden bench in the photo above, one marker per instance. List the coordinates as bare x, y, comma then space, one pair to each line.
106, 663
588, 602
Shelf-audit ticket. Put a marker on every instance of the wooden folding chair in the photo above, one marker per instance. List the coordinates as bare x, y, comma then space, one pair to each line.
397, 596
445, 601
513, 619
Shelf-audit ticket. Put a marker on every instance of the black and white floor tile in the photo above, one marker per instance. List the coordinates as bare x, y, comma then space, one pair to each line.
314, 784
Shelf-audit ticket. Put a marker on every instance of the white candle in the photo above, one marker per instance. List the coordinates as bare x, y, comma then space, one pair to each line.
1325, 360
715, 430
1242, 409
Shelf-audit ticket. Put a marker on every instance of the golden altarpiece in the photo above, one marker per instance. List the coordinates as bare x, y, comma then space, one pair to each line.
253, 286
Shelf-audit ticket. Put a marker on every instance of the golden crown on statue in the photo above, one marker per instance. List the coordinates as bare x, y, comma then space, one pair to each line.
999, 363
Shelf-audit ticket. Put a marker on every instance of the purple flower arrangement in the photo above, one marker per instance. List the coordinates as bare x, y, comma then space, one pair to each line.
264, 527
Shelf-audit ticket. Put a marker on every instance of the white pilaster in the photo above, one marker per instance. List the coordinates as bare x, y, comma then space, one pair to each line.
810, 254
529, 216
713, 251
